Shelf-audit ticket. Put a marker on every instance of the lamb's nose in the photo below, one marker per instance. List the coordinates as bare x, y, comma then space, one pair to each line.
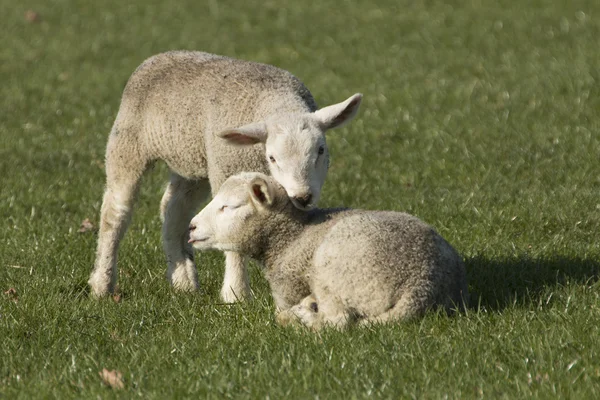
192, 227
304, 200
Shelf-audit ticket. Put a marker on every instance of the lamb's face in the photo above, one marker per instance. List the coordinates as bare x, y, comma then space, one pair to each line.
218, 224
295, 147
228, 221
298, 158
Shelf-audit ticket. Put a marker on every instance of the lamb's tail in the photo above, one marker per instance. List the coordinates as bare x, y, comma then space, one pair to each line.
409, 306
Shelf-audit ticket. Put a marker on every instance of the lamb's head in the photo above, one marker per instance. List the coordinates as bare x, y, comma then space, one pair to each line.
237, 216
295, 147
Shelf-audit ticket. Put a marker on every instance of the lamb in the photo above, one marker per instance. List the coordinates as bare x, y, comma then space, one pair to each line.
333, 267
187, 108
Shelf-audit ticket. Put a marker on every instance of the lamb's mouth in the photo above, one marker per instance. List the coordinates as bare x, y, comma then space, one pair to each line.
199, 241
299, 206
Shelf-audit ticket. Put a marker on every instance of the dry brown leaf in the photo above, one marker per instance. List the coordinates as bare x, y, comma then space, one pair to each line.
116, 297
32, 16
112, 378
12, 294
114, 336
86, 226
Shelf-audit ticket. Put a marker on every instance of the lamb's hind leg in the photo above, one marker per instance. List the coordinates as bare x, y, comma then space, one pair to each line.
123, 175
317, 313
305, 313
333, 312
178, 206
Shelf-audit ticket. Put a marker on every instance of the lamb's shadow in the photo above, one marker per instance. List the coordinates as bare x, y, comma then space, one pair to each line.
498, 283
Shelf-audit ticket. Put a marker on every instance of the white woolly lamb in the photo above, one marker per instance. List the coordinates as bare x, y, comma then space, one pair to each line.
333, 267
187, 108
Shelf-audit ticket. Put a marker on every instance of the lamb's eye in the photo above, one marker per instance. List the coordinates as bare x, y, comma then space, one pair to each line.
229, 207
321, 150
272, 159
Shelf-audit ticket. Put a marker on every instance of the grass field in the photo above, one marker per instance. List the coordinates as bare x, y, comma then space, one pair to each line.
480, 117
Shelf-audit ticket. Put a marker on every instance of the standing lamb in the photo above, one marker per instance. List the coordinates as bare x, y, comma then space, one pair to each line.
187, 108
333, 267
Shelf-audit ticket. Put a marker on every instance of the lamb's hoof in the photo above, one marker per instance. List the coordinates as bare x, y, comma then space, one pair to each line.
231, 296
99, 294
99, 288
304, 314
184, 279
309, 303
307, 313
186, 287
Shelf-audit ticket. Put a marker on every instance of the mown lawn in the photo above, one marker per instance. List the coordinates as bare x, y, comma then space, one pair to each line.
480, 117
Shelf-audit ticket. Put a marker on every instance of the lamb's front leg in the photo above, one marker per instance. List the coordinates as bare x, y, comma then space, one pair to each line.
236, 285
306, 313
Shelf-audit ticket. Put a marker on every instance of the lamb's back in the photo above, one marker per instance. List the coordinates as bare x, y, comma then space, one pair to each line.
177, 101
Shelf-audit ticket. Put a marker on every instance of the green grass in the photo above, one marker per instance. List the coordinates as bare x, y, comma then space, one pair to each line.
480, 117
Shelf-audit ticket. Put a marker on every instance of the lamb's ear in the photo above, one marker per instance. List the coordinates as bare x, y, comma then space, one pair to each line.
245, 135
261, 192
339, 114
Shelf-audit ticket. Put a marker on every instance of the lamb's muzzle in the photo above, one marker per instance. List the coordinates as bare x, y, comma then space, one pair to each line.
302, 200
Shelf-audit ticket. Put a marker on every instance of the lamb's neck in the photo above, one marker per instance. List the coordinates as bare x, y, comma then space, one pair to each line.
281, 231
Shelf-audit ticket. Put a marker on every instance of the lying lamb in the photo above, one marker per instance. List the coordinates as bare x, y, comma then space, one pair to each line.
186, 108
333, 267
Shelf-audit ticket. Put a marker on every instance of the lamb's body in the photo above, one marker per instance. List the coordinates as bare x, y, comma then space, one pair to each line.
176, 107
373, 266
367, 265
